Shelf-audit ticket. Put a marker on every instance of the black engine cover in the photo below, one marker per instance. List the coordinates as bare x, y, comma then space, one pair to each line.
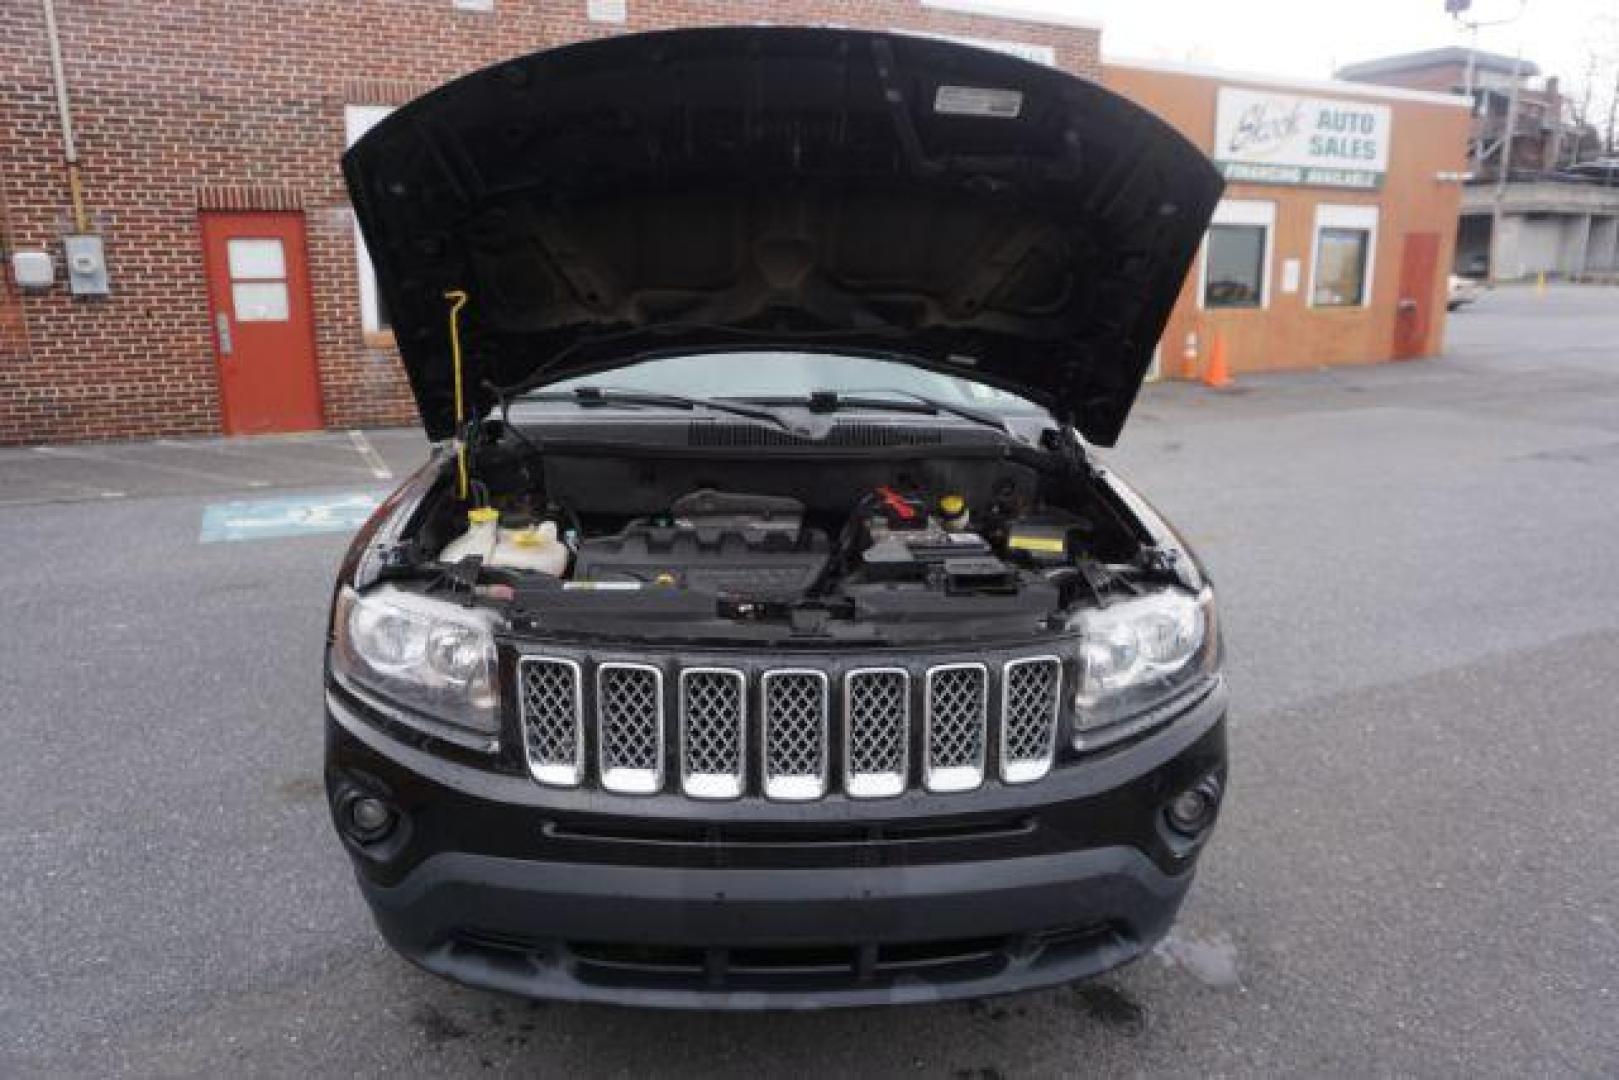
729, 558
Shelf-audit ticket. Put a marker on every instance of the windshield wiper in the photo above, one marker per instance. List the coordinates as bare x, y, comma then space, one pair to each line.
593, 396
832, 401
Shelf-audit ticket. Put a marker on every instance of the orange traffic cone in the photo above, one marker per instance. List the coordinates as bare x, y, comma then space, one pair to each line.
1217, 376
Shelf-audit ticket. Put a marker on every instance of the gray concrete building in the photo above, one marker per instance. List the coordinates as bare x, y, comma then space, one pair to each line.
1565, 230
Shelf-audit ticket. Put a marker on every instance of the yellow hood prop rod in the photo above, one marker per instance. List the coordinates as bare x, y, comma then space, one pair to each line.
463, 482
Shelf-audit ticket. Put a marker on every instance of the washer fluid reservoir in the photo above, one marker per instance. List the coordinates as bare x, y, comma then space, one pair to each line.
480, 539
535, 548
532, 547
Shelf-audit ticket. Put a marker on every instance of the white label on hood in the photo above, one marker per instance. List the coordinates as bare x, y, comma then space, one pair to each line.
978, 101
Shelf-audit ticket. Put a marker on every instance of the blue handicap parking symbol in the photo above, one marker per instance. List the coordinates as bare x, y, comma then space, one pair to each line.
287, 515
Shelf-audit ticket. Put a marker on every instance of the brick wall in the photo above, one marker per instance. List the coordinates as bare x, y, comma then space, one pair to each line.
187, 103
1439, 78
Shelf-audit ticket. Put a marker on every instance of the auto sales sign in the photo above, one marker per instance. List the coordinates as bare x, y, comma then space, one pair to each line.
1266, 138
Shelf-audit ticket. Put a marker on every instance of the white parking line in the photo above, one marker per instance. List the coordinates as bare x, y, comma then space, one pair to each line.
55, 500
369, 455
79, 492
137, 463
259, 455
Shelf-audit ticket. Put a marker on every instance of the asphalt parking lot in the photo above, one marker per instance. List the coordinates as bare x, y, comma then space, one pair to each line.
1415, 874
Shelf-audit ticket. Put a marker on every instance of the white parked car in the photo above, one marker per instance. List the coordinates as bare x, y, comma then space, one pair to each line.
1462, 291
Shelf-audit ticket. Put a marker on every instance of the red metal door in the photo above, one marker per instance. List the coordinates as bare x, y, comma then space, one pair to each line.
1419, 293
264, 339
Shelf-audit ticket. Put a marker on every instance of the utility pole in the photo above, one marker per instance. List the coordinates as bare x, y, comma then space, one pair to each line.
1457, 9
1503, 173
1475, 144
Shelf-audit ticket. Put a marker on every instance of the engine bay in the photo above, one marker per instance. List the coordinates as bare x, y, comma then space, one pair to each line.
880, 544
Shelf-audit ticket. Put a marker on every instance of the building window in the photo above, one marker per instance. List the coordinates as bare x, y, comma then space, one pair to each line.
1236, 273
1345, 246
1340, 267
357, 120
1236, 256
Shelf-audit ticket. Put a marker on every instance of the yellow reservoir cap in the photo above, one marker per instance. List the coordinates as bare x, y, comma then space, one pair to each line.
952, 504
1051, 545
483, 515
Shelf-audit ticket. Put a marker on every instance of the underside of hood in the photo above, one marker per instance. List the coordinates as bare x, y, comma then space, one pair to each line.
942, 205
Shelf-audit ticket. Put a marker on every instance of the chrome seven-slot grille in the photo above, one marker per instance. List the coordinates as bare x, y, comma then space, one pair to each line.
610, 724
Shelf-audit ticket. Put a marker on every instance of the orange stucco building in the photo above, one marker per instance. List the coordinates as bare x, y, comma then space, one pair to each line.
1334, 239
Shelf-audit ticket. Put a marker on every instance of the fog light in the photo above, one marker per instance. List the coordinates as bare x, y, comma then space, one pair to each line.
1192, 810
370, 818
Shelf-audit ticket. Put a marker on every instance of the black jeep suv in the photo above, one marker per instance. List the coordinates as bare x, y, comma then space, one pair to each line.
762, 632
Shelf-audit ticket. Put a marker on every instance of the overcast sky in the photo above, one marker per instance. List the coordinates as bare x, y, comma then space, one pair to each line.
1309, 38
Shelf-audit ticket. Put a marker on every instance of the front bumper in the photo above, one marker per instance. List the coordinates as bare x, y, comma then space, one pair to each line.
490, 880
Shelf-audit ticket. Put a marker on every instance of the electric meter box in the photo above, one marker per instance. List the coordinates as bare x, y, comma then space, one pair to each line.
86, 265
32, 269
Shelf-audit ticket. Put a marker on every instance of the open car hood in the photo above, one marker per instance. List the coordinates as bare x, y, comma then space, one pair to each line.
945, 206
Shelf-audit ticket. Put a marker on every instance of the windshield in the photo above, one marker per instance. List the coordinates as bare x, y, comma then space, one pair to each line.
782, 374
